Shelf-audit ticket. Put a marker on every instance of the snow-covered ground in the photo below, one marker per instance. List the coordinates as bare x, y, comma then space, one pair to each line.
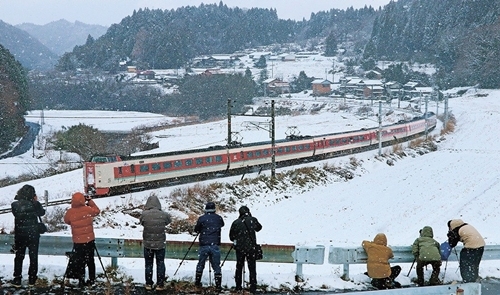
459, 180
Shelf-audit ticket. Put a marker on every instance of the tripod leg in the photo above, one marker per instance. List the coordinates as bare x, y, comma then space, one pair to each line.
102, 265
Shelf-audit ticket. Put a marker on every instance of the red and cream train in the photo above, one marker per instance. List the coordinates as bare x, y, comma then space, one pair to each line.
105, 175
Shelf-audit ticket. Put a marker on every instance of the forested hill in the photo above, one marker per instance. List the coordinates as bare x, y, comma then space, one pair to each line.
169, 38
460, 36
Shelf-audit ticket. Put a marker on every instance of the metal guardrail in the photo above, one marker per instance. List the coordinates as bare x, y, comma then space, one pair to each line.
402, 254
464, 289
130, 248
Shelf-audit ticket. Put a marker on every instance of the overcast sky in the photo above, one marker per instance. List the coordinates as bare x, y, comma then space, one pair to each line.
107, 12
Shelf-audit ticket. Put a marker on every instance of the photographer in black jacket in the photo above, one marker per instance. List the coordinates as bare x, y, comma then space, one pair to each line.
242, 233
26, 210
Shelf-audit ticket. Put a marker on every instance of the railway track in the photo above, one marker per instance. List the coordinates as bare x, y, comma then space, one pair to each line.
50, 203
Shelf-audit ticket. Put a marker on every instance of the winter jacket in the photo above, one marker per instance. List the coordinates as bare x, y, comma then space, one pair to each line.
242, 233
154, 221
468, 235
209, 226
80, 217
378, 257
26, 214
425, 248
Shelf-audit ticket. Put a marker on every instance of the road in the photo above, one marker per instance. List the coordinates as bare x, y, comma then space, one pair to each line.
26, 143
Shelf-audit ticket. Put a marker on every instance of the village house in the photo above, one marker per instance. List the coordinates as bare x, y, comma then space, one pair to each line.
321, 87
276, 86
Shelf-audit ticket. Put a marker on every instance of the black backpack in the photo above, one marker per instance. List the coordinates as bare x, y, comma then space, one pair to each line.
453, 236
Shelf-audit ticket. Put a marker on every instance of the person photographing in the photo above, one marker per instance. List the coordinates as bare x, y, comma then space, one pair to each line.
80, 218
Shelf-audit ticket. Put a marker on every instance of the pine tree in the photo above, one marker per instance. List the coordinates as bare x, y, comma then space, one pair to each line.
331, 45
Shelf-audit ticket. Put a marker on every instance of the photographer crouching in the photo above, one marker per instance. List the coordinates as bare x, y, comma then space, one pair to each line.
81, 217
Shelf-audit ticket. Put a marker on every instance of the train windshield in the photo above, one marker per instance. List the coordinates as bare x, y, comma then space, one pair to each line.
103, 159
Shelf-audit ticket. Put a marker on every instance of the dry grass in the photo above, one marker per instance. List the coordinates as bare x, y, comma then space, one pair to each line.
450, 126
397, 148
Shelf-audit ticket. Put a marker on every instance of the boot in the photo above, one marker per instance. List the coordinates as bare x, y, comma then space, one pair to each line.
420, 281
197, 282
218, 282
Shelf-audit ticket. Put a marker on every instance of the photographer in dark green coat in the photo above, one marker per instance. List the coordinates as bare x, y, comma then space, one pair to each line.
426, 251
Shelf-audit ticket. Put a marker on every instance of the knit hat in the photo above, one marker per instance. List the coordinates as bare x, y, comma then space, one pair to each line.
244, 210
210, 207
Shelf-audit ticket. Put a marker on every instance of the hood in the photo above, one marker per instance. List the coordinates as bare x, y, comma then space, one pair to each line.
77, 200
380, 239
454, 223
152, 203
427, 232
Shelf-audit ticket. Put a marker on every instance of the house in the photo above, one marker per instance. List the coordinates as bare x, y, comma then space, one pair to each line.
349, 84
372, 74
275, 86
321, 87
131, 69
369, 88
216, 60
287, 57
146, 75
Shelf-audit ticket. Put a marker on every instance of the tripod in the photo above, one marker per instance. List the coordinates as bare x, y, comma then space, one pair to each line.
186, 253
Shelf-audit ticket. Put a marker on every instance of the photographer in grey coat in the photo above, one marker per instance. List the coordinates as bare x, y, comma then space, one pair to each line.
154, 221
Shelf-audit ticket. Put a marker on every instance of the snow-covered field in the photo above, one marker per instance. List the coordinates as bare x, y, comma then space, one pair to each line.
460, 180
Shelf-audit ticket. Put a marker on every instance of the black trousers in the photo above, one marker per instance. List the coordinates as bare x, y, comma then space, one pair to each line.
388, 283
469, 264
436, 268
84, 256
252, 269
20, 245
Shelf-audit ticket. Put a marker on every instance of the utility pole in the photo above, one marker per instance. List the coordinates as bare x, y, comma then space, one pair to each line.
229, 122
379, 128
425, 116
273, 143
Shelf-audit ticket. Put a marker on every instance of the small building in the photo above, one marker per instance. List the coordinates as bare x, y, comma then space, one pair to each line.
131, 69
276, 86
321, 87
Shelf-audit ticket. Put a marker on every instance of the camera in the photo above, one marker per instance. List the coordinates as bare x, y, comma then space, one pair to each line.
88, 197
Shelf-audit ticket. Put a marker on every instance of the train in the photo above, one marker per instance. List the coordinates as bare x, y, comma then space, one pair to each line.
107, 175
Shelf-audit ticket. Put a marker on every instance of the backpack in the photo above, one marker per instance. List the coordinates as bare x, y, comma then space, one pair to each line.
445, 250
453, 236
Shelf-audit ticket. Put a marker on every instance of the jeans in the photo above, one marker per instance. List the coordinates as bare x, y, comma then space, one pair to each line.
252, 269
149, 256
20, 244
85, 257
212, 252
469, 264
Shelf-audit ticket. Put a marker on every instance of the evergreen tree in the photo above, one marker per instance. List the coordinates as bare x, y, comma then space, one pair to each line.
331, 45
261, 63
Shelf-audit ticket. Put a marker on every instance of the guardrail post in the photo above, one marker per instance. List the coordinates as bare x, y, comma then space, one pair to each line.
114, 262
309, 255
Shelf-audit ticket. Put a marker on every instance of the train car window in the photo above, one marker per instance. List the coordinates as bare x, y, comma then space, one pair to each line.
242, 155
209, 159
301, 147
257, 153
287, 149
294, 148
189, 162
344, 140
178, 163
218, 158
199, 161
250, 154
332, 142
132, 168
120, 170
144, 168
167, 165
265, 152
280, 150
155, 166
